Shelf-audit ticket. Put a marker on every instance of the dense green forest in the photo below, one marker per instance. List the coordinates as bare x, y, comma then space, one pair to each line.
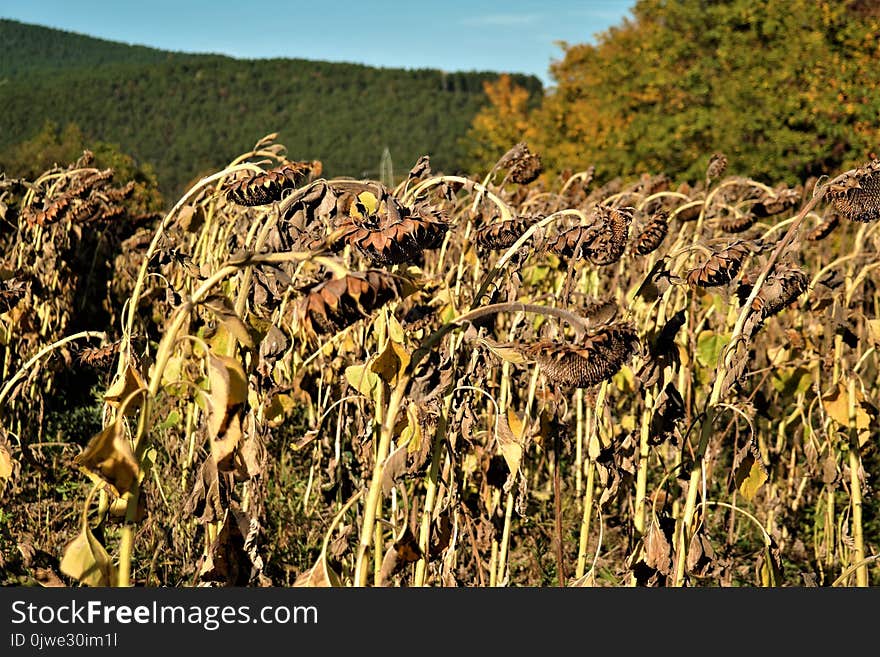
186, 114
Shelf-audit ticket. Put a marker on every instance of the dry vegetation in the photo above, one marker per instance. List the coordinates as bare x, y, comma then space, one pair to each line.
506, 380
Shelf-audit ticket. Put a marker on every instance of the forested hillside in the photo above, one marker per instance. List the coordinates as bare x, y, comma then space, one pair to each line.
186, 114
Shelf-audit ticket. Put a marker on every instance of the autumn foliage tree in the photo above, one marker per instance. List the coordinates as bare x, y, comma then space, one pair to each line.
501, 123
785, 88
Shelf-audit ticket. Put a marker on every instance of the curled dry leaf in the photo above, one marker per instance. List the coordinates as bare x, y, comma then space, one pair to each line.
749, 471
222, 307
511, 442
108, 458
769, 567
228, 561
663, 351
319, 575
206, 500
229, 391
86, 561
837, 405
391, 363
658, 550
700, 555
668, 411
124, 388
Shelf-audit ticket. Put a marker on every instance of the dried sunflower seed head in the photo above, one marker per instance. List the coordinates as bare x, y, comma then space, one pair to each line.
602, 242
574, 242
269, 186
388, 233
717, 166
598, 357
720, 268
769, 206
527, 169
737, 222
523, 165
824, 229
610, 243
503, 234
653, 234
332, 305
857, 195
780, 289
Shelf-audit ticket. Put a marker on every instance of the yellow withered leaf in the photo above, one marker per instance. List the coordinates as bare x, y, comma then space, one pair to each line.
319, 575
369, 201
510, 441
108, 458
223, 447
6, 463
750, 485
874, 331
86, 560
395, 330
123, 387
228, 390
411, 436
364, 380
504, 353
222, 307
391, 363
516, 425
836, 405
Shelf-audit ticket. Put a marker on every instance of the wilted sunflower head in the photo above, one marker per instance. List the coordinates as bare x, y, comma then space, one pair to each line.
330, 306
721, 267
503, 234
595, 358
523, 165
269, 186
857, 195
717, 166
388, 233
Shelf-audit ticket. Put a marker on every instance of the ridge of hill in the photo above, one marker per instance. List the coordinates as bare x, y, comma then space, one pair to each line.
185, 114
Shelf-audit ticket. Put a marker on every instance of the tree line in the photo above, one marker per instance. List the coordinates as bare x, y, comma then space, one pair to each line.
787, 89
187, 114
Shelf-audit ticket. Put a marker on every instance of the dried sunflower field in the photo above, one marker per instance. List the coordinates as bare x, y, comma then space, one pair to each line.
509, 379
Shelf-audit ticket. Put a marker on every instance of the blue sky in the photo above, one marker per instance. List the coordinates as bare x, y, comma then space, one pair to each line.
456, 35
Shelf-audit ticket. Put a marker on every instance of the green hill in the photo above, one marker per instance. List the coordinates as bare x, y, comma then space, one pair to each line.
185, 114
